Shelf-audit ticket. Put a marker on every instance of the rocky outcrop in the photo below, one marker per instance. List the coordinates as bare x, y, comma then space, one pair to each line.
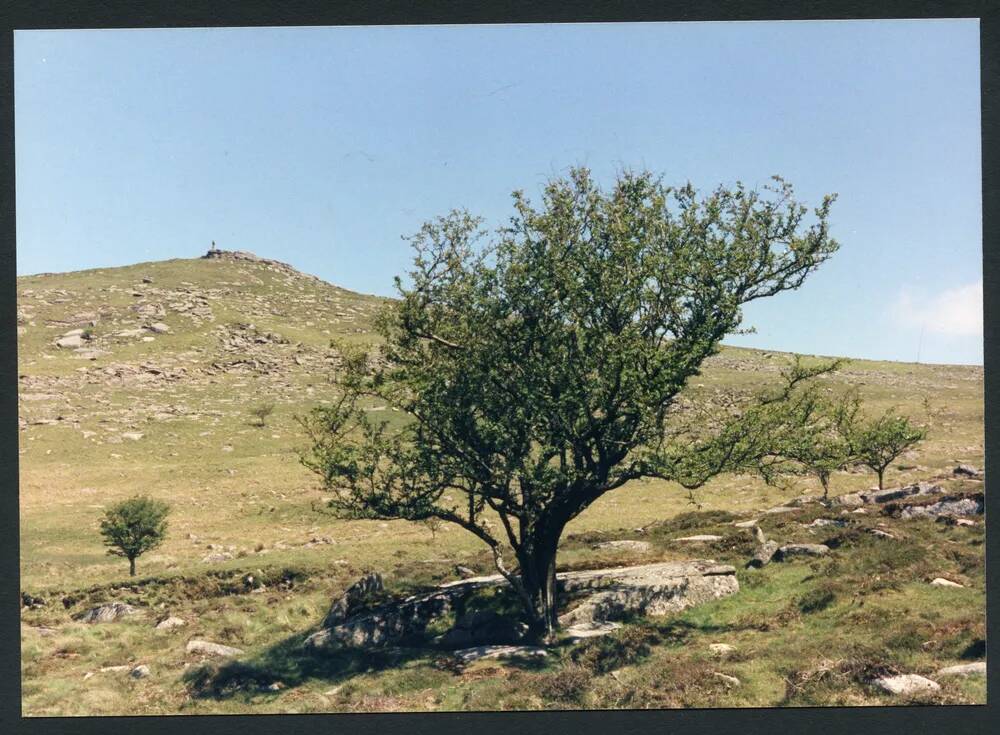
765, 553
651, 589
478, 653
898, 493
483, 627
967, 470
106, 613
601, 595
950, 507
356, 596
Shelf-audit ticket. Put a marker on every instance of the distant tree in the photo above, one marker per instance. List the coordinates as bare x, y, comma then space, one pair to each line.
878, 442
817, 442
539, 373
134, 526
432, 524
262, 412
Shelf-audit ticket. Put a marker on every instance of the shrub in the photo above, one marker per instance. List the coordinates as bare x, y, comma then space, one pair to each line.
134, 526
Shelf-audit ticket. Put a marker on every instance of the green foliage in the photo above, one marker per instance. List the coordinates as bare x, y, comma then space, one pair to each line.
539, 372
878, 442
134, 526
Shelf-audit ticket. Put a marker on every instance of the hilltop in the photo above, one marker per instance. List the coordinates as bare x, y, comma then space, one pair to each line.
143, 378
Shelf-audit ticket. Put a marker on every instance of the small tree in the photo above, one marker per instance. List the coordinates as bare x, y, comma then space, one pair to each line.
432, 524
538, 373
262, 412
133, 527
878, 442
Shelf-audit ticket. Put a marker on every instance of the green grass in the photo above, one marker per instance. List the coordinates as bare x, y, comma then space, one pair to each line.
807, 632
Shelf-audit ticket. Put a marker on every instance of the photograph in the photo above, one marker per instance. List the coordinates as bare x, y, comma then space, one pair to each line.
499, 367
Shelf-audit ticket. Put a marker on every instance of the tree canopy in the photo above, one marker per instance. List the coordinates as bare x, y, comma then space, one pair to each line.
134, 526
537, 370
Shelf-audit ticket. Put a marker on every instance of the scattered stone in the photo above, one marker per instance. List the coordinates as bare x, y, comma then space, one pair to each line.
967, 470
114, 669
942, 582
625, 545
906, 684
159, 328
132, 436
964, 522
780, 509
276, 686
107, 613
208, 648
880, 533
850, 500
789, 550
580, 631
478, 653
764, 554
71, 342
730, 680
974, 669
74, 333
170, 622
821, 522
140, 672
147, 279
746, 524
721, 649
464, 572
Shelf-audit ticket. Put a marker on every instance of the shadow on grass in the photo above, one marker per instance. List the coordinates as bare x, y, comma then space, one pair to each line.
289, 663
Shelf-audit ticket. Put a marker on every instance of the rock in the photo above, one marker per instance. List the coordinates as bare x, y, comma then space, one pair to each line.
781, 509
906, 684
849, 500
107, 613
481, 627
132, 436
170, 622
74, 333
746, 524
967, 470
384, 624
651, 589
159, 328
31, 602
625, 545
275, 686
975, 669
897, 493
821, 522
789, 550
114, 669
147, 279
942, 582
949, 507
464, 572
964, 522
208, 648
580, 631
758, 534
354, 597
478, 653
139, 672
71, 342
730, 680
721, 649
880, 533
765, 553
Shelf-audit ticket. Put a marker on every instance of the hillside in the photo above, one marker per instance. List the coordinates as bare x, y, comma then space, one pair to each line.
153, 394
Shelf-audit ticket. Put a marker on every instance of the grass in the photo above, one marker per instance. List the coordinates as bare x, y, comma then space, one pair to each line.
809, 631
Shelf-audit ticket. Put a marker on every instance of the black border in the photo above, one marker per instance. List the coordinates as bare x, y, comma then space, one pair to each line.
24, 14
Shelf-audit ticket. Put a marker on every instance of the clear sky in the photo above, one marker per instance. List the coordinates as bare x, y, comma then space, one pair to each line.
321, 147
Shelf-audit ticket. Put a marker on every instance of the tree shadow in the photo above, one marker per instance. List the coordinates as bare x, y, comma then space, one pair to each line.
289, 663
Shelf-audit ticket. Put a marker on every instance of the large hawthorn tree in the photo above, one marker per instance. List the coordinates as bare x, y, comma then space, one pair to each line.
537, 370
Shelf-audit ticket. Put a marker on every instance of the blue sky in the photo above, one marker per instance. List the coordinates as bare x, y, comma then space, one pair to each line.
321, 147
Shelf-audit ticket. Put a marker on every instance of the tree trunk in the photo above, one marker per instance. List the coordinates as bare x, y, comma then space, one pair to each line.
881, 475
131, 567
538, 575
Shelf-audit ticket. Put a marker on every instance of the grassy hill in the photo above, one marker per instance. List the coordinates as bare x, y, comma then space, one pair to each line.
157, 399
